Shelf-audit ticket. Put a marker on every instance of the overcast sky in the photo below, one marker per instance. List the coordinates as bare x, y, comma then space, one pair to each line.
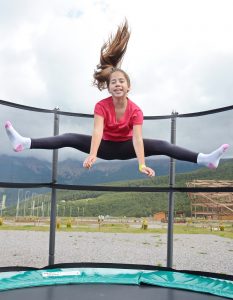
179, 57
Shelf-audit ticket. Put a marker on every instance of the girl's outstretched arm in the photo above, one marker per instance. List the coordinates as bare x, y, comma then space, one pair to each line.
139, 150
95, 141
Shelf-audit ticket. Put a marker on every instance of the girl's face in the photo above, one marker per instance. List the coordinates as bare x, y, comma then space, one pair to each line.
118, 85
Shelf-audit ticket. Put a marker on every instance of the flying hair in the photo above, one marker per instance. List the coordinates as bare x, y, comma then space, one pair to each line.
111, 55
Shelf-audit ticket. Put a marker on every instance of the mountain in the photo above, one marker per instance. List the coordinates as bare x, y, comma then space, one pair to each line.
72, 172
31, 169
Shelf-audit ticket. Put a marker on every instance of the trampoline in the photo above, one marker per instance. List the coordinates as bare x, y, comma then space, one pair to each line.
89, 281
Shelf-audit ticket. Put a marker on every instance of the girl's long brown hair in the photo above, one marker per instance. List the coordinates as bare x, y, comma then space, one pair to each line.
111, 56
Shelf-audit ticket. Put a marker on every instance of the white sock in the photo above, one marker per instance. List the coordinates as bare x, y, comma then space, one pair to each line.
212, 159
19, 143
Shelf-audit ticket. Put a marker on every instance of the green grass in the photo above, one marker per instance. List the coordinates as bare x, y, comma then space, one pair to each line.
24, 227
123, 228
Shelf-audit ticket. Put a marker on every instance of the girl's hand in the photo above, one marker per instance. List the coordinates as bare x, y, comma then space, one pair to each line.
146, 170
88, 162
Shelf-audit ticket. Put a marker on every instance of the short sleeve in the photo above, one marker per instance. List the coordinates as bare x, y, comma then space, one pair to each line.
99, 110
138, 117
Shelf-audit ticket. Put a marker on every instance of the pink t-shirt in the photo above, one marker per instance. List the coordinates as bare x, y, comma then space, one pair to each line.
121, 130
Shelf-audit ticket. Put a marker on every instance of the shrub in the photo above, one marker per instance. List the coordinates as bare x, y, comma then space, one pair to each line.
58, 224
68, 224
221, 227
145, 224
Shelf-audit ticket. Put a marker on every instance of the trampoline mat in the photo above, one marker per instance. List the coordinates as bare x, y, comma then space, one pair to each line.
103, 291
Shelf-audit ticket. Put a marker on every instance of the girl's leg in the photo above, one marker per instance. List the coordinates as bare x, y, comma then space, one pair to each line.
80, 142
108, 150
20, 143
160, 147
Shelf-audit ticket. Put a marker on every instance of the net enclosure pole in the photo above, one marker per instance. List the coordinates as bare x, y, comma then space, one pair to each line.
171, 196
53, 211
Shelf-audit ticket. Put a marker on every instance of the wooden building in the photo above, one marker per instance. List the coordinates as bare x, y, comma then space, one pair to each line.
211, 205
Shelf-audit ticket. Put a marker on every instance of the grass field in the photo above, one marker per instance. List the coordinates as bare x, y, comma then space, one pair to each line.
67, 225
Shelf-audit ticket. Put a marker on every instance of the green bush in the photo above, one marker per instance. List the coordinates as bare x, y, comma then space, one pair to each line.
68, 224
58, 224
221, 227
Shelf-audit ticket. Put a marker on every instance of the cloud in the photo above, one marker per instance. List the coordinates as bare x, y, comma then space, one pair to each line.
51, 53
179, 56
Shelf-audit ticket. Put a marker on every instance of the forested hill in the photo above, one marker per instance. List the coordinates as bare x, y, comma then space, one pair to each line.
224, 171
138, 204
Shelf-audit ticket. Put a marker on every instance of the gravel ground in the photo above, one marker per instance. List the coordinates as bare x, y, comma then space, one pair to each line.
193, 252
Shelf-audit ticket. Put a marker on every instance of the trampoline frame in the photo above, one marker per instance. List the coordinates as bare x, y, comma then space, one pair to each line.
12, 278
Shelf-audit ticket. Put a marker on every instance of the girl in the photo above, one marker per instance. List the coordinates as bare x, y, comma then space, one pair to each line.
117, 132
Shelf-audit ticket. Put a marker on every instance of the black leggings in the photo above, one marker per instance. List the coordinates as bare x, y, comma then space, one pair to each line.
109, 150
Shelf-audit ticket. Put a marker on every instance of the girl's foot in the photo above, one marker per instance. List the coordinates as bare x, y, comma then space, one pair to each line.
212, 159
19, 143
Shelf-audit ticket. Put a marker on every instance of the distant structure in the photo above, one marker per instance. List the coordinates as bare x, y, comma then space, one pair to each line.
160, 216
211, 205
